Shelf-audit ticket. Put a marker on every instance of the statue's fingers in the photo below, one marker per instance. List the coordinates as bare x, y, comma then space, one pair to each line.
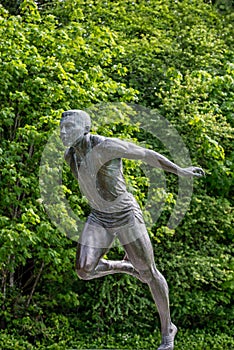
198, 172
202, 172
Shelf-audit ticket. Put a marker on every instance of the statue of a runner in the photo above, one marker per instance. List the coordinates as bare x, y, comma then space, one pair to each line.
96, 163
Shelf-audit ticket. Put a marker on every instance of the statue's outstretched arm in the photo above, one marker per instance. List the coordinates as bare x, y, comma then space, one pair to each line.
156, 159
131, 151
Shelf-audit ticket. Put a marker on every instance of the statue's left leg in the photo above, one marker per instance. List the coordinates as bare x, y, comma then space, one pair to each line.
140, 254
93, 244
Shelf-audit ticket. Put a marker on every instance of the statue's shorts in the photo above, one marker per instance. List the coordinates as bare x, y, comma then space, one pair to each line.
102, 228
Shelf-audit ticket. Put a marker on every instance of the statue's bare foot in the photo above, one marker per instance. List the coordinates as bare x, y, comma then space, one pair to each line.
168, 340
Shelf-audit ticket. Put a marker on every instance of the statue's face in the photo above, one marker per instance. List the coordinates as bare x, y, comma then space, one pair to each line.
72, 129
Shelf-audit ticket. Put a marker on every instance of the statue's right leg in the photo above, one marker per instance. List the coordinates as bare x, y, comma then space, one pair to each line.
137, 245
93, 244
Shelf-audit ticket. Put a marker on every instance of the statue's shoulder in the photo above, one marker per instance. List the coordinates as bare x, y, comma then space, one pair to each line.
96, 140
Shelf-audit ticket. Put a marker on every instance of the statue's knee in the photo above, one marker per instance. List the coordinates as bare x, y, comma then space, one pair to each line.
146, 275
149, 274
85, 273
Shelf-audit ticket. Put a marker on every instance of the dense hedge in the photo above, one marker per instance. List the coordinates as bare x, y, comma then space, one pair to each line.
173, 57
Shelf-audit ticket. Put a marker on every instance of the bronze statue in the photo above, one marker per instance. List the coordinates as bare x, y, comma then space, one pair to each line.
96, 163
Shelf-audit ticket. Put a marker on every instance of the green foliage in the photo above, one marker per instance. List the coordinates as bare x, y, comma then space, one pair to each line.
174, 57
45, 69
13, 6
71, 339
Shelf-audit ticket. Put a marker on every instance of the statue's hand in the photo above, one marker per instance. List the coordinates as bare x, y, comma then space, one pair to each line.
192, 171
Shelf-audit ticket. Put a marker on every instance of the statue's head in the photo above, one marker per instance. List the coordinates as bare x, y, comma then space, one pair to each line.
74, 124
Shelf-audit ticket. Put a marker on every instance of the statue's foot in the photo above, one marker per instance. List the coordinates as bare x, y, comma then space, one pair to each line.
168, 340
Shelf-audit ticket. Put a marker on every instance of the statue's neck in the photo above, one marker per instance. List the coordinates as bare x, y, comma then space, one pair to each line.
82, 146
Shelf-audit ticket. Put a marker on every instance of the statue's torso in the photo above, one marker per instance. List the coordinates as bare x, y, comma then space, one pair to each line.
102, 182
85, 160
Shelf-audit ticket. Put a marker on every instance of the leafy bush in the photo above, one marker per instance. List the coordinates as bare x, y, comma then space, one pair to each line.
173, 57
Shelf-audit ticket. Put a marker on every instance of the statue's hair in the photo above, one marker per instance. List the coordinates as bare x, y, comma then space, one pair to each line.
79, 114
